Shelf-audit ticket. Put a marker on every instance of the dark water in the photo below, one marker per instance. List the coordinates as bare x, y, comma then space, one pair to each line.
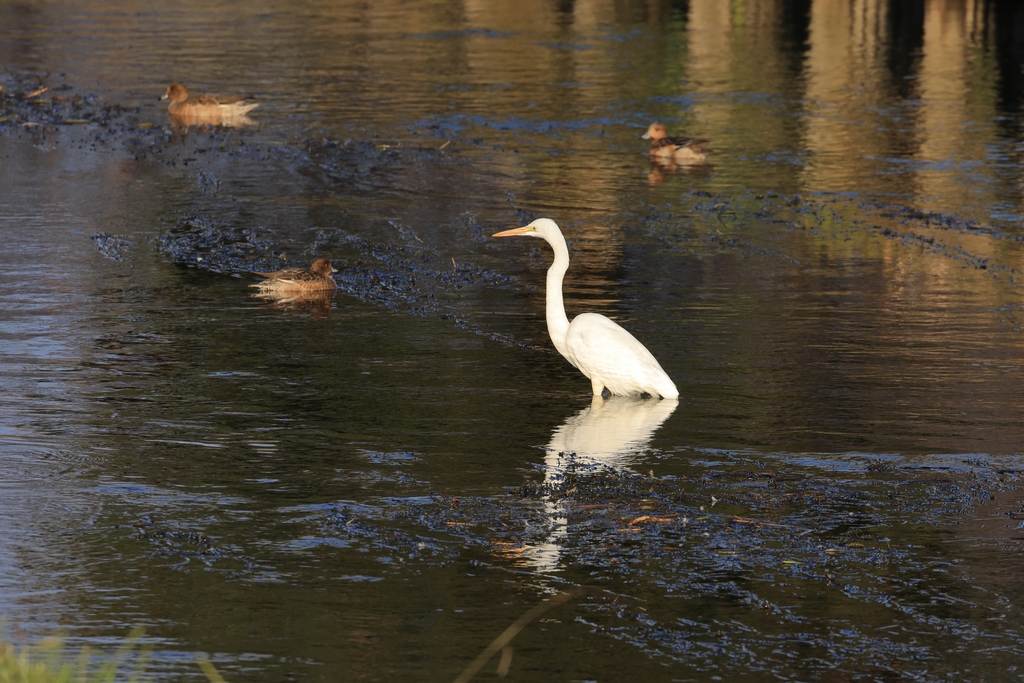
375, 486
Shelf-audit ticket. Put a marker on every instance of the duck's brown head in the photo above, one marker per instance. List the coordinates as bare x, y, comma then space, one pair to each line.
176, 92
655, 131
323, 266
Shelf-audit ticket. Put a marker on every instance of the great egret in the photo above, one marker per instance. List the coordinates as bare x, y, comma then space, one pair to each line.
679, 150
317, 278
610, 356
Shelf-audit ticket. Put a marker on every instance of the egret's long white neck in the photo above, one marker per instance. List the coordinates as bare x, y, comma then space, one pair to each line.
558, 323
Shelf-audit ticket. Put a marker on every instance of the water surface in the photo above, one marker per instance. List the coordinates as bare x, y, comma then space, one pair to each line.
374, 486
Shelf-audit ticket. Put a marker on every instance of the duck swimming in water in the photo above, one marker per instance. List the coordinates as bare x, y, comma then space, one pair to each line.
316, 279
207, 110
678, 150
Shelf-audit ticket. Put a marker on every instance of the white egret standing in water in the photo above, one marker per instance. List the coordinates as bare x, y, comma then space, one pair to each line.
610, 356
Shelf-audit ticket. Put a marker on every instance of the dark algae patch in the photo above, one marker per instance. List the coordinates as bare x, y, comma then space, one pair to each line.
739, 567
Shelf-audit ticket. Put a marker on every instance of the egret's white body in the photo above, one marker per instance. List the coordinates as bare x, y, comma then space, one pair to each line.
601, 349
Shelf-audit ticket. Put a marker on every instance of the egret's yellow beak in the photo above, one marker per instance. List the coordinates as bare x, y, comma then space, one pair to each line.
514, 231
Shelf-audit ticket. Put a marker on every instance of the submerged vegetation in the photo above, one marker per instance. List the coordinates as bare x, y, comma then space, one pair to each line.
51, 661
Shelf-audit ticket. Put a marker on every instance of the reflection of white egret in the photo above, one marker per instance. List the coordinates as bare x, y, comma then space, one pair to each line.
609, 432
602, 350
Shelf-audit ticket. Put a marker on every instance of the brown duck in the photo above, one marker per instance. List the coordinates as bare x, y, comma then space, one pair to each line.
317, 278
211, 110
679, 150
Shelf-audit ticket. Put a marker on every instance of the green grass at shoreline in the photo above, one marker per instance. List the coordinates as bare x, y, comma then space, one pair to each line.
49, 661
